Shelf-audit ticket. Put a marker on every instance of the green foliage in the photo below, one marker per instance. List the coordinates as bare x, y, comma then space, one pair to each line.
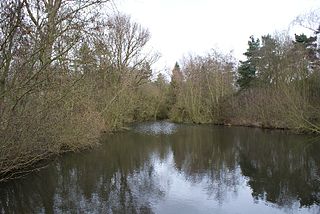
310, 47
284, 93
247, 69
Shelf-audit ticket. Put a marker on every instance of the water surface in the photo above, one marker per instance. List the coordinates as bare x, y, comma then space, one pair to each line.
161, 167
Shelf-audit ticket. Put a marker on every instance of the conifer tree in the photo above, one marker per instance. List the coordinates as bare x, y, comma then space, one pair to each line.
247, 69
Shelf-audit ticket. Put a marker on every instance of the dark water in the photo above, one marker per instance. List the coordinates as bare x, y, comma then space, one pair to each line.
167, 168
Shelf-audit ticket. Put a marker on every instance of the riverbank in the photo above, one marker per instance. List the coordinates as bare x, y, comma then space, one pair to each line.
18, 160
29, 161
254, 124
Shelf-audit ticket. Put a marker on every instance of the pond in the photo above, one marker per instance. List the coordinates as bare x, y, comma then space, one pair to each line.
161, 167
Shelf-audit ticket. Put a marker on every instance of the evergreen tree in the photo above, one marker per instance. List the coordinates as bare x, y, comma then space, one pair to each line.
177, 76
310, 48
175, 85
86, 59
247, 69
309, 45
269, 60
161, 80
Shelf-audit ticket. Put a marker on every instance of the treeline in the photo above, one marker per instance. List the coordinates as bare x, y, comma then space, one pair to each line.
277, 86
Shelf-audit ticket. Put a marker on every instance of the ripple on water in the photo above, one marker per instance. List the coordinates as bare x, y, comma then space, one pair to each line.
156, 128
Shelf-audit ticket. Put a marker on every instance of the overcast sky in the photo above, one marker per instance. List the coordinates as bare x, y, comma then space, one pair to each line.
180, 27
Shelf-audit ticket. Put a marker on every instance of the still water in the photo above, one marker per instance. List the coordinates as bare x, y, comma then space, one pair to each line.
161, 167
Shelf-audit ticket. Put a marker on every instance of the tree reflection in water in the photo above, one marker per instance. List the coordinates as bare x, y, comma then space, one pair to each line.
284, 171
124, 174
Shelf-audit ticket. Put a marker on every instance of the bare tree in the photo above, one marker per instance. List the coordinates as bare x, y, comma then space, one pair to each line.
37, 37
126, 42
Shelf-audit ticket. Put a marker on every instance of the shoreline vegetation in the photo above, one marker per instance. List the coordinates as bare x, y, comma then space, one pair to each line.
69, 72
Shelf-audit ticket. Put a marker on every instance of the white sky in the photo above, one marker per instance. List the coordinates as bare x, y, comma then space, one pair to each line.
181, 27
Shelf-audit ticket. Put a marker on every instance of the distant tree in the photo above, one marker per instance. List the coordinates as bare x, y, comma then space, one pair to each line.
86, 59
309, 46
247, 69
177, 76
161, 110
175, 84
161, 80
125, 40
269, 57
123, 52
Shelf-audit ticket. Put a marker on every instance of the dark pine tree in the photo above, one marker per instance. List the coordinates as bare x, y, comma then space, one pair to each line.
247, 69
309, 44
